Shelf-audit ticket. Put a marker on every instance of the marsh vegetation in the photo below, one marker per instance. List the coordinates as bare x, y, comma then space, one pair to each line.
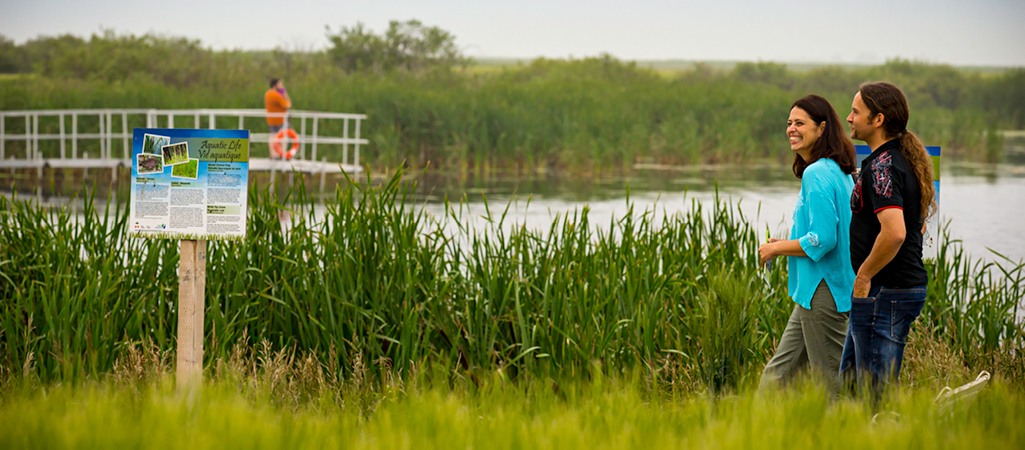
377, 276
372, 322
583, 115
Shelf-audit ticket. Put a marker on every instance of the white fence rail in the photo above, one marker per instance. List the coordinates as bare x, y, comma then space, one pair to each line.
113, 129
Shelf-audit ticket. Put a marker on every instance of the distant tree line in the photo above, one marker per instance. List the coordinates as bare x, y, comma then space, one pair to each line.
410, 46
424, 104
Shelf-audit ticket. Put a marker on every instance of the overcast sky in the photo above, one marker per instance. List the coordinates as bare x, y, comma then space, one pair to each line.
984, 32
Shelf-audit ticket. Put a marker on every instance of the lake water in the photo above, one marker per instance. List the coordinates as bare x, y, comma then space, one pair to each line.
985, 206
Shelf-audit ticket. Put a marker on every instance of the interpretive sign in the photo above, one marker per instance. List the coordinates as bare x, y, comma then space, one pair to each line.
189, 184
929, 244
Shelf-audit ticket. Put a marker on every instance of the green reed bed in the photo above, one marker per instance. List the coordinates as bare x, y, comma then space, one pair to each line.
973, 304
375, 281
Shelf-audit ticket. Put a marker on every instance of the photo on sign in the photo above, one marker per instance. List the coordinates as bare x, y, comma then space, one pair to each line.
176, 153
187, 170
149, 163
152, 143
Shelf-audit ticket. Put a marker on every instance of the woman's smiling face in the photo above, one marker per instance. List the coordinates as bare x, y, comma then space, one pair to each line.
803, 132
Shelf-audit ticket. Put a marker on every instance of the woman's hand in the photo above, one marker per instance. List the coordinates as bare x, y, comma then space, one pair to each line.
767, 251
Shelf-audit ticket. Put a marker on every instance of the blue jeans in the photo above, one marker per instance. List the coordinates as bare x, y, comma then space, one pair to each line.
879, 324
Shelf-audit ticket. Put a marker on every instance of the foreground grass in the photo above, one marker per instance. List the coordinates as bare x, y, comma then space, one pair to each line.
601, 413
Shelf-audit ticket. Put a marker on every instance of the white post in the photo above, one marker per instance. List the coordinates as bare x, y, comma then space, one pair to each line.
197, 121
99, 117
323, 174
302, 138
213, 121
38, 155
314, 150
356, 156
28, 137
103, 135
62, 134
110, 144
124, 135
345, 137
105, 129
74, 135
35, 136
110, 135
170, 120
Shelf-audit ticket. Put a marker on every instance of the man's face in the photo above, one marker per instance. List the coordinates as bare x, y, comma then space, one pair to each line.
280, 85
859, 119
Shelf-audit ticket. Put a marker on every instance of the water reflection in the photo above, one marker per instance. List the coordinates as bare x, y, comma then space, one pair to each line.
985, 204
575, 188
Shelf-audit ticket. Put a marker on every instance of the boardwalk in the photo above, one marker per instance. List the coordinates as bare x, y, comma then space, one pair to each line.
52, 138
101, 139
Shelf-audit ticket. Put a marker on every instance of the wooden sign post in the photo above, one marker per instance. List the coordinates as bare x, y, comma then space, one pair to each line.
190, 185
191, 306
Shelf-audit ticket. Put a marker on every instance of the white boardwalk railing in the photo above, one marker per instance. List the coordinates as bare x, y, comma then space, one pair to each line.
67, 136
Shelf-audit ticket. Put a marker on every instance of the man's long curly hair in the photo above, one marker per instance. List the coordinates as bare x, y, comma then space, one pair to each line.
887, 99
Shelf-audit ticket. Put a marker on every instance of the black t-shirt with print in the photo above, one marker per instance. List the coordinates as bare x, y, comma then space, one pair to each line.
888, 181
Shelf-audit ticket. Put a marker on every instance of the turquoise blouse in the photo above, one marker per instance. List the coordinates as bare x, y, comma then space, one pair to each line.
822, 224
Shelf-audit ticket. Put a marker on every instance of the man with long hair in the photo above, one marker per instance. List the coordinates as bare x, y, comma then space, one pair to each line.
893, 195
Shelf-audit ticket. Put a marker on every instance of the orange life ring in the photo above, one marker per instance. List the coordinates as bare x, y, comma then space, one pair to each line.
275, 143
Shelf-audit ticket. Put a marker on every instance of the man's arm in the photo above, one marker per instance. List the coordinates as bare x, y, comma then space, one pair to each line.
891, 237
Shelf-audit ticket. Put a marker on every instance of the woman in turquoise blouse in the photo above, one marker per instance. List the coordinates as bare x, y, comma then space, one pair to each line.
821, 278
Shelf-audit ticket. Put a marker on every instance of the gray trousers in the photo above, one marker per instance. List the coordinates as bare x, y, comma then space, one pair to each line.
813, 338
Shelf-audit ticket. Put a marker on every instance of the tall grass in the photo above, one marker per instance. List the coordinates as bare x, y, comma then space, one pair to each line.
375, 281
975, 304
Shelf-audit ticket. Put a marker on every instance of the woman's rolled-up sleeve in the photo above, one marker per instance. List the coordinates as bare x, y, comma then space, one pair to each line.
823, 217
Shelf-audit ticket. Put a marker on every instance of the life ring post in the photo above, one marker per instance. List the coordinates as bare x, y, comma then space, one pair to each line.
277, 142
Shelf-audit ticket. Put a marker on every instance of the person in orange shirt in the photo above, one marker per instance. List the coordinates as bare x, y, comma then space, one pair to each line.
276, 100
